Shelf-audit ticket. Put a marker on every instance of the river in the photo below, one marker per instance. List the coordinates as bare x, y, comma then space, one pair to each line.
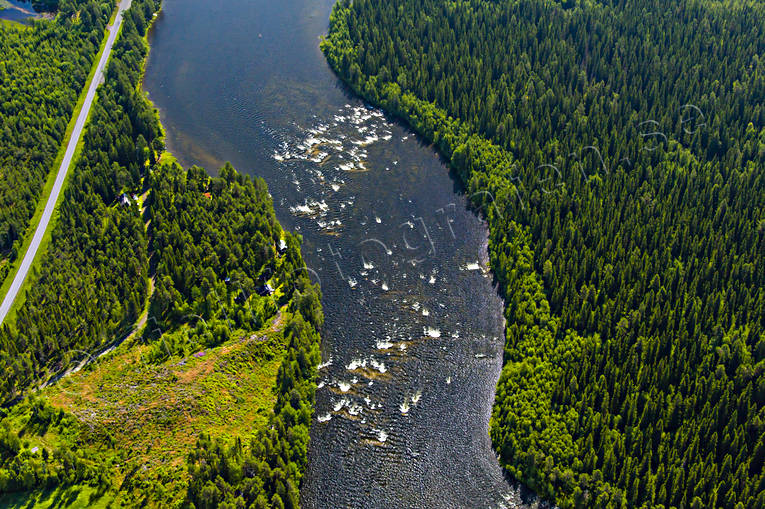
412, 345
15, 10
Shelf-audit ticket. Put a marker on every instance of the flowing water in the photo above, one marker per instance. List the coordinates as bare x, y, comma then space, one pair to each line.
412, 345
15, 10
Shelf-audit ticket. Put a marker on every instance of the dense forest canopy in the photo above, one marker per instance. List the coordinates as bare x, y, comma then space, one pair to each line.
617, 150
93, 279
217, 240
42, 72
131, 222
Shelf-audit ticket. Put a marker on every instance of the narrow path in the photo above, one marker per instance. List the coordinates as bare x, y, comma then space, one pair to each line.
66, 162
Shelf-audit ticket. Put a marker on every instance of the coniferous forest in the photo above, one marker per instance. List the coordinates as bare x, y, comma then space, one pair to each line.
93, 280
176, 261
43, 69
616, 150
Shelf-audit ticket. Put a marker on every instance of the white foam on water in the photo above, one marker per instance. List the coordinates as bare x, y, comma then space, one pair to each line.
425, 312
432, 280
384, 287
379, 366
344, 386
354, 409
404, 407
339, 404
356, 364
311, 208
321, 384
368, 265
325, 364
352, 282
384, 345
432, 332
303, 209
382, 436
324, 418
416, 397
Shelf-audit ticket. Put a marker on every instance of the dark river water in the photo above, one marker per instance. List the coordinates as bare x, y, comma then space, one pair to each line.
412, 345
17, 11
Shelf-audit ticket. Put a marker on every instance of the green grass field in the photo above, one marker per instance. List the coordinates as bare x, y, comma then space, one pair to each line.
139, 420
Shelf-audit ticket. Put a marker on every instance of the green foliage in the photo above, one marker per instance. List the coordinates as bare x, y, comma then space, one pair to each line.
216, 242
633, 368
42, 72
268, 472
92, 282
27, 461
214, 246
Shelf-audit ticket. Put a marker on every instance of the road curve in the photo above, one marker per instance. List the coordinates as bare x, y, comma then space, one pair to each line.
50, 205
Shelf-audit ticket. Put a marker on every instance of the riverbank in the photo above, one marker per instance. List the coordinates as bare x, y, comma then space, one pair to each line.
413, 332
237, 370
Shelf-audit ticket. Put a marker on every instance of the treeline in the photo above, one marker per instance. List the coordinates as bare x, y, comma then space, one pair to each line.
24, 467
616, 149
42, 72
267, 471
215, 240
217, 243
222, 267
92, 282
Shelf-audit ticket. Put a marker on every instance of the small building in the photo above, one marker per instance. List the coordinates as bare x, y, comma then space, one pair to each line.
124, 199
265, 290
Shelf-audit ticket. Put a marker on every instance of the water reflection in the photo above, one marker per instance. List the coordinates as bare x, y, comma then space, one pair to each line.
414, 328
14, 10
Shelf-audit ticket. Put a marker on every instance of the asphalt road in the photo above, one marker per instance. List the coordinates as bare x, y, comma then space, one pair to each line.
44, 223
